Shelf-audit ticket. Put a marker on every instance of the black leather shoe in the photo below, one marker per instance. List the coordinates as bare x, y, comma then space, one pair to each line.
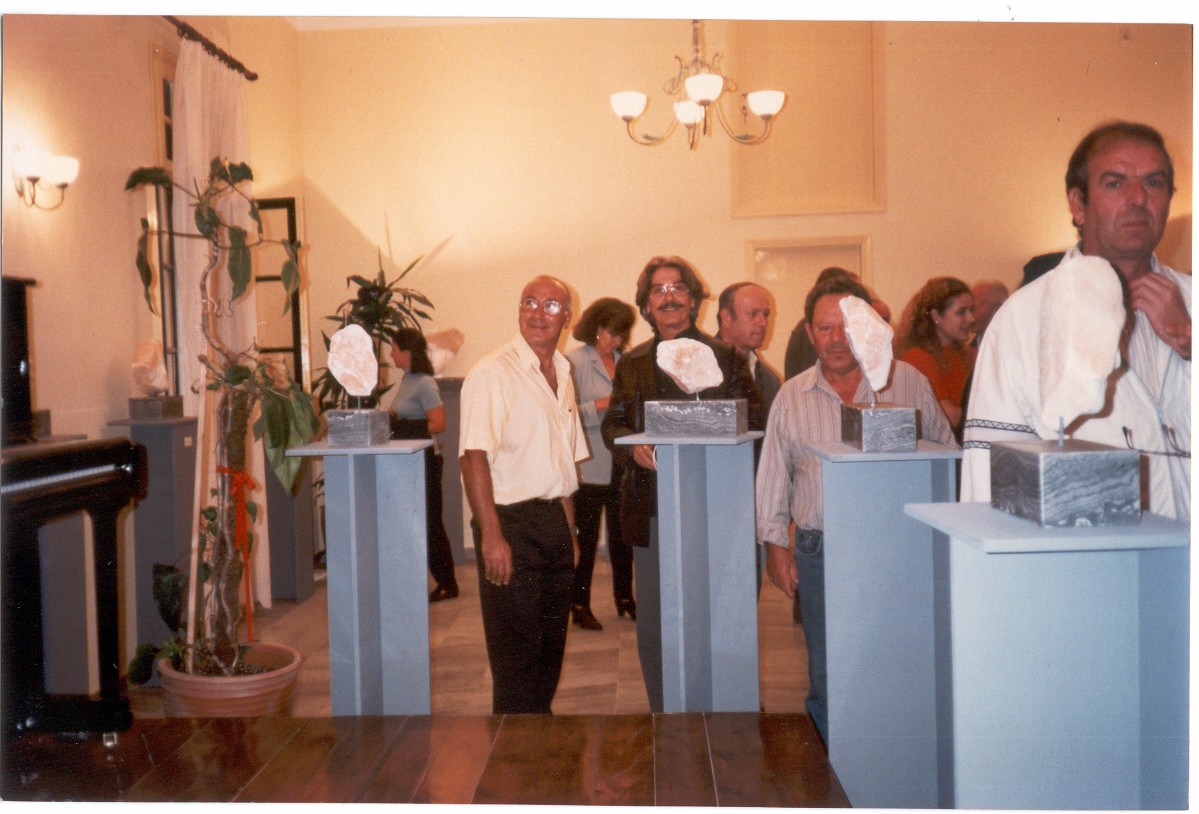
582, 616
628, 606
441, 592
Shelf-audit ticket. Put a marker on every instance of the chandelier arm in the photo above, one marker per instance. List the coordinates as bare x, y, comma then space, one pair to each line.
743, 138
650, 141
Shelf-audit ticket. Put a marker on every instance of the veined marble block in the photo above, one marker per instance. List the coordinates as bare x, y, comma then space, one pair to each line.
358, 428
150, 407
697, 419
879, 427
1077, 483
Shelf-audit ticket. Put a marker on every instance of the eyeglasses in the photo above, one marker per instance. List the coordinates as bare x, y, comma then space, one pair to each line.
669, 288
551, 308
1176, 450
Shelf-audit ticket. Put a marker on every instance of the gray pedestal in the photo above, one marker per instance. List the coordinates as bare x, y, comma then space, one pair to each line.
290, 527
162, 524
1062, 661
707, 565
878, 566
451, 472
376, 561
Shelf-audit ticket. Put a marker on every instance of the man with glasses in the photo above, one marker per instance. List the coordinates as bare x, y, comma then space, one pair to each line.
520, 440
669, 294
1119, 183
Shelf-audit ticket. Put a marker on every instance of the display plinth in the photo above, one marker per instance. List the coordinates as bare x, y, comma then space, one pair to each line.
878, 598
706, 564
1062, 661
376, 560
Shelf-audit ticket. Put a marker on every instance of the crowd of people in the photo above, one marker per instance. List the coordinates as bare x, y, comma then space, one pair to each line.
539, 430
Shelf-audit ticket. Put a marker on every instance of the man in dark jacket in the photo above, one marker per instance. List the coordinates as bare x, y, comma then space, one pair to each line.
669, 293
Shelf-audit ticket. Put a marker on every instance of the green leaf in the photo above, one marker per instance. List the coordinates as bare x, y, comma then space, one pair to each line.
148, 175
252, 511
237, 374
207, 220
239, 261
240, 172
290, 275
258, 218
217, 170
141, 666
144, 271
170, 585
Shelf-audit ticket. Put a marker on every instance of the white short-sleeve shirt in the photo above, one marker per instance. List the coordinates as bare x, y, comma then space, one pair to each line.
532, 437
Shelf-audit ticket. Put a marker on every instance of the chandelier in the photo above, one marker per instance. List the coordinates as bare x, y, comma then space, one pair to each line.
697, 87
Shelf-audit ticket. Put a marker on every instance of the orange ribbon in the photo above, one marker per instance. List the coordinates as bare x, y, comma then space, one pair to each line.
239, 484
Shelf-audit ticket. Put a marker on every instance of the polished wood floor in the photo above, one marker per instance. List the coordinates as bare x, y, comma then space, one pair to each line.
600, 747
694, 759
600, 674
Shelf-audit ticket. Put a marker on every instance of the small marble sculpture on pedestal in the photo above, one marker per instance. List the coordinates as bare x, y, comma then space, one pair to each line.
1061, 481
878, 426
150, 376
693, 367
352, 362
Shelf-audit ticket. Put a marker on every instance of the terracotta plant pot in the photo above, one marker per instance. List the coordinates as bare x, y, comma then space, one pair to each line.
249, 696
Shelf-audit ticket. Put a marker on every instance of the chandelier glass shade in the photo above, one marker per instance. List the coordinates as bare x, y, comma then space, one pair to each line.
697, 88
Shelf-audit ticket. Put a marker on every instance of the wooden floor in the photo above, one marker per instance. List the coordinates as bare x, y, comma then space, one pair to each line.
600, 673
600, 747
694, 759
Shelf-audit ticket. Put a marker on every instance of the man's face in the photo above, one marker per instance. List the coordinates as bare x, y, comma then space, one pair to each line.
827, 332
538, 326
669, 309
1128, 203
745, 326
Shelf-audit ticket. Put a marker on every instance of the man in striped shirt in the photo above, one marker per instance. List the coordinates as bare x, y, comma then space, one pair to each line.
806, 411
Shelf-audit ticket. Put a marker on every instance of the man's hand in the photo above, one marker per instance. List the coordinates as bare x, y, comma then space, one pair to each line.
497, 559
1159, 299
781, 568
643, 455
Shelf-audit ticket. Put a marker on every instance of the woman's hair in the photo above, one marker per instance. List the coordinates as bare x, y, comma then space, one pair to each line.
934, 296
413, 341
615, 316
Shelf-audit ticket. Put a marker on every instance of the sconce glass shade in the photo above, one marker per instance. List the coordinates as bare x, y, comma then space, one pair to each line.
61, 171
704, 87
628, 104
689, 113
765, 103
31, 164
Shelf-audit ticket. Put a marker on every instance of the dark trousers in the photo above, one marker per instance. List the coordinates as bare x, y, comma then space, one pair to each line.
591, 501
809, 556
441, 553
524, 622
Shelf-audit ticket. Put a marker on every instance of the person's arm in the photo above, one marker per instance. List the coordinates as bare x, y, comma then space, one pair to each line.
496, 553
1159, 299
568, 506
436, 419
622, 419
782, 569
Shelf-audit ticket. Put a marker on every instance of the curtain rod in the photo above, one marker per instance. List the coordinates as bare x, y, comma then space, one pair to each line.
189, 33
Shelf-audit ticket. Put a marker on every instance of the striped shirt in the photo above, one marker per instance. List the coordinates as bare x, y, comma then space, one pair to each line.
808, 411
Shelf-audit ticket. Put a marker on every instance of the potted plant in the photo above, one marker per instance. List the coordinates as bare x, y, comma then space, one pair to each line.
207, 644
379, 307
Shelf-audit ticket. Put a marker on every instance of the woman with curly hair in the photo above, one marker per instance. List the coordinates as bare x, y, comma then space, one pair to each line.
938, 341
604, 331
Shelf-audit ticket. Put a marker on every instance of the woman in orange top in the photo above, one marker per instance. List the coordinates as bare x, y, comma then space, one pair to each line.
938, 342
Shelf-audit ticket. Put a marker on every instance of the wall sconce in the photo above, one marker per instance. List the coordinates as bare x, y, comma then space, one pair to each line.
35, 169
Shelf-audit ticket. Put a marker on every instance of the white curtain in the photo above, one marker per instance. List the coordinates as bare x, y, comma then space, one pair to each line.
209, 121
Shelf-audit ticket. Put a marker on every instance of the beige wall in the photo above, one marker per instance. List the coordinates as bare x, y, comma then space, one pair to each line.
498, 136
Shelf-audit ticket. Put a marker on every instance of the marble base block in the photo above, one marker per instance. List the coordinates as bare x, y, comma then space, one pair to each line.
697, 419
880, 427
1078, 483
152, 407
358, 428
